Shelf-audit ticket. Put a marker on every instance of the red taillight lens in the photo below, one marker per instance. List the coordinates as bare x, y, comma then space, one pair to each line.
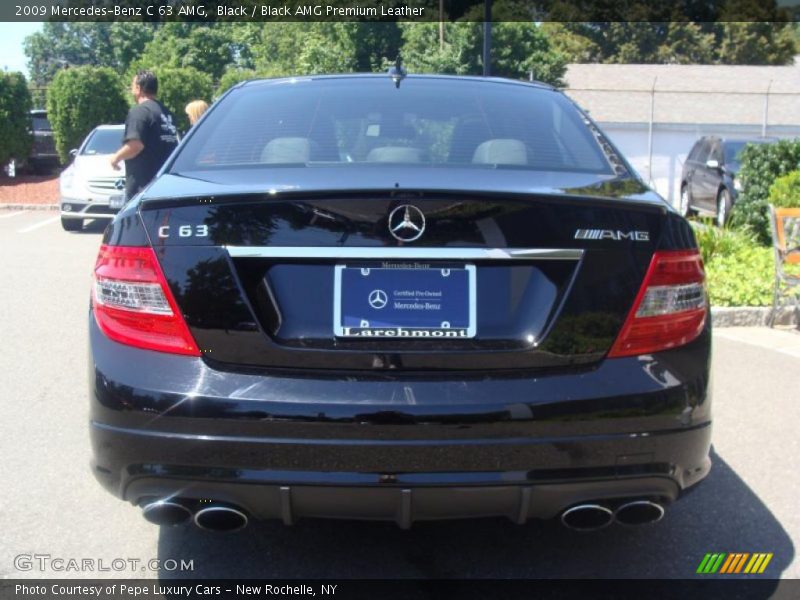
670, 309
133, 305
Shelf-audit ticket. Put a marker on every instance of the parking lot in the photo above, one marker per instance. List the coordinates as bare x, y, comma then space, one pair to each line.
51, 504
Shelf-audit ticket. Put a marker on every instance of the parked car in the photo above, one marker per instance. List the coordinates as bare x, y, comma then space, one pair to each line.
90, 188
708, 182
43, 157
399, 298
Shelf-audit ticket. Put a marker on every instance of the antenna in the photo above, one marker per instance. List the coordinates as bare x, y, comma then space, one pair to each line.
397, 72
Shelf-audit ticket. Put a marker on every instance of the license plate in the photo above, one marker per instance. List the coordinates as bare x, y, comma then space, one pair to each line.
405, 302
116, 201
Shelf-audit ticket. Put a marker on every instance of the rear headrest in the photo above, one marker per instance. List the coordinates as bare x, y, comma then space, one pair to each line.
287, 150
501, 152
395, 154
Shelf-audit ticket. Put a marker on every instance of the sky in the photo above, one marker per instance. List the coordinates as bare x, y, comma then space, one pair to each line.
12, 58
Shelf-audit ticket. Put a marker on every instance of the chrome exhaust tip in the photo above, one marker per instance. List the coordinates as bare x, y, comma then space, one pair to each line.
587, 517
166, 512
639, 512
220, 518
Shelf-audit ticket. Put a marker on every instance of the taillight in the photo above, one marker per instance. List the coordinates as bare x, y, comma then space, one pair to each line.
670, 309
133, 305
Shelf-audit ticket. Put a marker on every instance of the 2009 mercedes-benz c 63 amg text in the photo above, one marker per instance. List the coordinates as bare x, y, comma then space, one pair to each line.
402, 298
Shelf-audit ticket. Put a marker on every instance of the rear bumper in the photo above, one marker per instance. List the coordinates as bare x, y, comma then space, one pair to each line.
409, 448
402, 497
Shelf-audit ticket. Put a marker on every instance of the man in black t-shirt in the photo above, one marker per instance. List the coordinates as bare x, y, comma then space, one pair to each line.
150, 135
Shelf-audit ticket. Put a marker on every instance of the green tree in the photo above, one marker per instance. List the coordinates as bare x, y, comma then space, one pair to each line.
686, 43
458, 55
326, 49
128, 41
15, 103
81, 98
179, 86
38, 96
757, 43
523, 49
768, 37
209, 48
569, 43
233, 76
277, 47
762, 164
785, 191
244, 38
518, 50
765, 42
236, 75
322, 47
73, 44
374, 44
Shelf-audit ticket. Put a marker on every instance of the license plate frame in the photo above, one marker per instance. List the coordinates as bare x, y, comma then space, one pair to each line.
459, 313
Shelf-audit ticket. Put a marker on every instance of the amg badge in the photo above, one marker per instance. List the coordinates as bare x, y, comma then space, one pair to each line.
611, 234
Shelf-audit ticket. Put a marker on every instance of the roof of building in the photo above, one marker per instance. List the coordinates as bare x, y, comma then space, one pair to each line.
712, 94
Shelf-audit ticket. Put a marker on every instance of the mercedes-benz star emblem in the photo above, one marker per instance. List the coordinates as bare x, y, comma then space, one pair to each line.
119, 184
377, 299
406, 223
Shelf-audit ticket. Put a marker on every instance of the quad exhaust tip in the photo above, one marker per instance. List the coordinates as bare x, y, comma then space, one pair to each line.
587, 517
217, 517
639, 512
220, 518
166, 512
590, 517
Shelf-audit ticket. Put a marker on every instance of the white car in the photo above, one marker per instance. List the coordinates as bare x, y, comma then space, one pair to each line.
90, 187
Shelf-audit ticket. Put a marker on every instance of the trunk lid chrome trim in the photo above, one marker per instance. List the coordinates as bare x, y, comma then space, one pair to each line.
384, 253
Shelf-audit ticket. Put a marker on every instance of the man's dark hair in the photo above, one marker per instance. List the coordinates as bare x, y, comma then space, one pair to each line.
147, 82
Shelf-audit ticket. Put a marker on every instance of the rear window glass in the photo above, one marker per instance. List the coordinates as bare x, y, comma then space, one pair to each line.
103, 141
433, 122
41, 124
732, 151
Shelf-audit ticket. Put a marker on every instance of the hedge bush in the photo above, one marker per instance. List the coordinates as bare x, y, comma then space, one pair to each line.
739, 270
785, 191
236, 75
743, 278
78, 100
233, 76
715, 242
762, 164
177, 86
15, 104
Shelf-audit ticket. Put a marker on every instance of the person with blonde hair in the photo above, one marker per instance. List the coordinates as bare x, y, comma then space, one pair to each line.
195, 110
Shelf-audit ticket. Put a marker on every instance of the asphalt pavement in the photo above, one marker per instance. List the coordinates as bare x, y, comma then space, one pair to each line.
51, 506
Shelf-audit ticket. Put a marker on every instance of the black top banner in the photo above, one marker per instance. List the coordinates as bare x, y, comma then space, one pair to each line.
660, 11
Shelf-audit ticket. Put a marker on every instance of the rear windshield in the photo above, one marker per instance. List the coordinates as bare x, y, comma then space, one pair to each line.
732, 151
41, 124
431, 122
103, 141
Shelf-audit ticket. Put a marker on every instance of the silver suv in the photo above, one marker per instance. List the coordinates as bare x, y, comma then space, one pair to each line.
90, 187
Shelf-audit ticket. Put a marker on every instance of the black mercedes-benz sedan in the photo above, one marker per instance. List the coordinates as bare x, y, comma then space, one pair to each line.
399, 298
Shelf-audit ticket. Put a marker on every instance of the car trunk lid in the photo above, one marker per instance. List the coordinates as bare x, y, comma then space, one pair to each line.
255, 272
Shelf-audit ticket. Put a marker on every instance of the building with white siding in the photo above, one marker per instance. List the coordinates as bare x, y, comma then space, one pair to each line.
654, 113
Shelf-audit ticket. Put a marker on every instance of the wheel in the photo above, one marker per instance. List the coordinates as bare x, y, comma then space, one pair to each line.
71, 224
724, 204
683, 206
